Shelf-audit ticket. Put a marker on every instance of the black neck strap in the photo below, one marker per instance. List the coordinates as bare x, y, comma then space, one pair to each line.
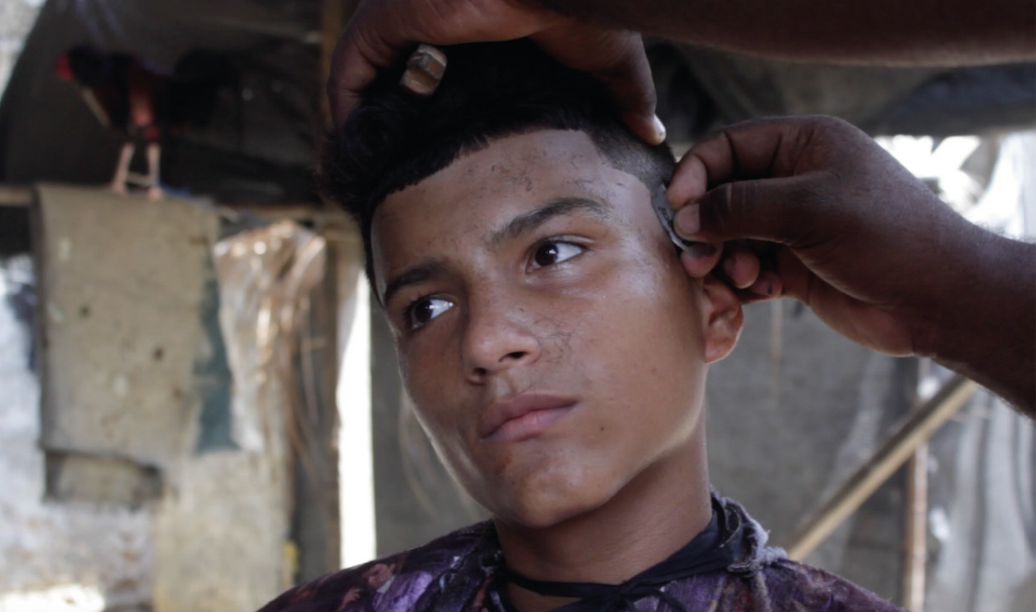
720, 545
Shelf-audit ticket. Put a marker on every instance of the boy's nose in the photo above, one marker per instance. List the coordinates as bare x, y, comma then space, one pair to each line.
497, 337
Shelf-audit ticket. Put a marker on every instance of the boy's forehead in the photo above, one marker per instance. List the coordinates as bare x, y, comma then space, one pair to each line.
483, 190
509, 172
534, 159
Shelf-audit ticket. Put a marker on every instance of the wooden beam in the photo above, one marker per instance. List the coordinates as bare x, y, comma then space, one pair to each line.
296, 211
11, 195
899, 447
312, 420
16, 196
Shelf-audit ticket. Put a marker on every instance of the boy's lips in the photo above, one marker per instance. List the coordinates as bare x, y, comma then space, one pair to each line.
519, 417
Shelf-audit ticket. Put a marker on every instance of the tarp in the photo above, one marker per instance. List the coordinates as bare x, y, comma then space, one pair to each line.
47, 133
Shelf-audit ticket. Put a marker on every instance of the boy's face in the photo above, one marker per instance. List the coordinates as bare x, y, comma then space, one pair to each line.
552, 344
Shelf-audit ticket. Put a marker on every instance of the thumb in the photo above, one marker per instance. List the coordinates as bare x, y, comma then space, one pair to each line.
772, 209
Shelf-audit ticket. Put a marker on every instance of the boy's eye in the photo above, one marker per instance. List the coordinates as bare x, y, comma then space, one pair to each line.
425, 309
550, 253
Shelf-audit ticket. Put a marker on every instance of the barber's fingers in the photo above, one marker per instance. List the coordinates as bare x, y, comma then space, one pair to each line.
616, 58
354, 65
378, 35
775, 210
767, 285
787, 279
761, 148
750, 268
741, 267
761, 179
733, 262
383, 31
702, 259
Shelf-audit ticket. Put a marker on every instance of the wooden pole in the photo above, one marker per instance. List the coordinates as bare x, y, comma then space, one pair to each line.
915, 545
917, 428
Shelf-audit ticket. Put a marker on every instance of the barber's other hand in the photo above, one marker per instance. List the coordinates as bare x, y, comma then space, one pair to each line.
383, 31
834, 221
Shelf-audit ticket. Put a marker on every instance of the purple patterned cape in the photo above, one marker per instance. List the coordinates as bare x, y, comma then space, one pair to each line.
459, 573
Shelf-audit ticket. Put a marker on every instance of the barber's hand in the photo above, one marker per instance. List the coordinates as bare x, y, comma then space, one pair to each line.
819, 212
384, 31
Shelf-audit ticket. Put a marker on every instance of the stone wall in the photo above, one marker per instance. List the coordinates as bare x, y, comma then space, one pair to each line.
69, 557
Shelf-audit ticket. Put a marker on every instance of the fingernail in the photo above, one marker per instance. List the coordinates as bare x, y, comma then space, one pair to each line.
687, 222
701, 249
424, 71
659, 128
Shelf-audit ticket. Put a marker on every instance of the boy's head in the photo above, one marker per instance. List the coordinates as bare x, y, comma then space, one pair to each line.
552, 344
395, 139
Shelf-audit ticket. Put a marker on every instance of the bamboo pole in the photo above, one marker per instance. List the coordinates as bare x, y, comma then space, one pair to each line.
917, 427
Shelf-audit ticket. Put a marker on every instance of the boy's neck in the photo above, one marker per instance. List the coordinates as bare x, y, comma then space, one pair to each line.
655, 515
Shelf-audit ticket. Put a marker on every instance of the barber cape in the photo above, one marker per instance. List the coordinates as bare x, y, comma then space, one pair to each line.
727, 568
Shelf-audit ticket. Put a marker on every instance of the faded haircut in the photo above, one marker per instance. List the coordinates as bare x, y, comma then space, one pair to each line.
489, 91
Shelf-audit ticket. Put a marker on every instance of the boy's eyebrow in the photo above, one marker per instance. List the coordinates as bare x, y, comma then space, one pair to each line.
412, 276
512, 229
555, 208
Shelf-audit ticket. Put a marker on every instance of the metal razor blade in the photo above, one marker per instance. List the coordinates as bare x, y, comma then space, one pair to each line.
665, 216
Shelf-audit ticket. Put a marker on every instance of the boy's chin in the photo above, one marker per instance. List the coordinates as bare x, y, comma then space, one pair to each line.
544, 509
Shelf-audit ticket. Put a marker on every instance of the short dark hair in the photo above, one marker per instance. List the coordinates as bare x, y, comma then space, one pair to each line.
490, 90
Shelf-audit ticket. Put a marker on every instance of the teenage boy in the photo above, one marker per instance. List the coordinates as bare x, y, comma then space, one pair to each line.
555, 349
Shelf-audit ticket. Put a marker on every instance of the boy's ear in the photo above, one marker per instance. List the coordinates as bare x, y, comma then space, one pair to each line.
723, 318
